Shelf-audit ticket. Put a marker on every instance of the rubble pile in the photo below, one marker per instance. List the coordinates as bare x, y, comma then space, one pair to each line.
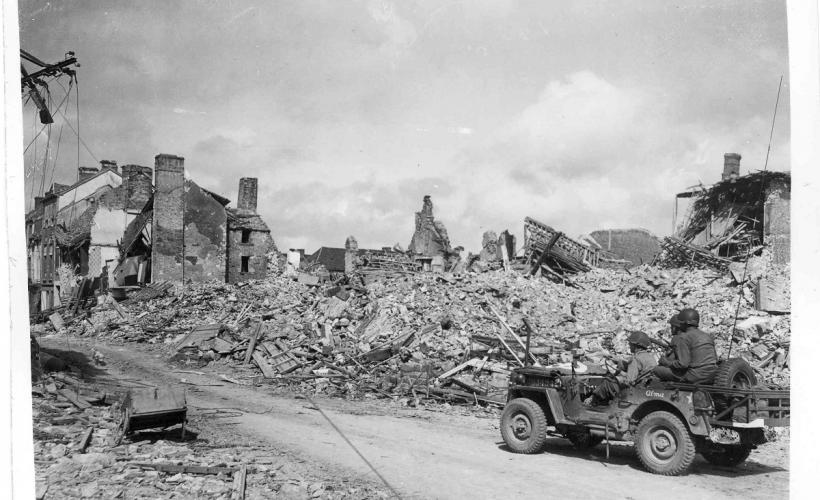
80, 453
437, 335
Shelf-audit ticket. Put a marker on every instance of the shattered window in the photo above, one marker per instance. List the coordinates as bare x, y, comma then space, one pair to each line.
246, 235
245, 262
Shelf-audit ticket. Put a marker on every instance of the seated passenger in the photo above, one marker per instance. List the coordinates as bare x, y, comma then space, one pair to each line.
642, 361
693, 358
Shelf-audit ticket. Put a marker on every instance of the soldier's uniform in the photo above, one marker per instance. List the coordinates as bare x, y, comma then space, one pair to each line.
693, 359
642, 361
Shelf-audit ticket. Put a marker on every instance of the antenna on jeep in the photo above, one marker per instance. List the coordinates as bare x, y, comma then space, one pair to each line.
528, 327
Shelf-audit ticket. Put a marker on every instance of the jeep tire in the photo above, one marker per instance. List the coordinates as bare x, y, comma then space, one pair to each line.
663, 444
735, 373
524, 426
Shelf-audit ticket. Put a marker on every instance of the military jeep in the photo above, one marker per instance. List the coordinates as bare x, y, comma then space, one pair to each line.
668, 422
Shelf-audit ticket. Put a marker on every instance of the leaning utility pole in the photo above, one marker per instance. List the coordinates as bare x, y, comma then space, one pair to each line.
30, 82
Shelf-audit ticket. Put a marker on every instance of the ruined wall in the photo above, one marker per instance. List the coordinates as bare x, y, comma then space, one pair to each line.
430, 237
138, 188
638, 246
256, 250
108, 227
206, 223
489, 247
248, 187
167, 229
777, 220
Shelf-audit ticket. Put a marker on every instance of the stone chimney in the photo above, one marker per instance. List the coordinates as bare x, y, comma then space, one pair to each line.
87, 172
169, 207
351, 250
109, 164
38, 202
247, 194
731, 166
137, 182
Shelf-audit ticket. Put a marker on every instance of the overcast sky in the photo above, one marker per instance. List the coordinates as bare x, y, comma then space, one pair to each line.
584, 115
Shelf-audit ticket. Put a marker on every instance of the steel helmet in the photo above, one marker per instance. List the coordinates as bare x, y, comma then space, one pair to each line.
689, 317
639, 338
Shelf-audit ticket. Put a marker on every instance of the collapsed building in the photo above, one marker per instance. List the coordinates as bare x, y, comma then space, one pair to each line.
735, 218
122, 228
629, 247
430, 244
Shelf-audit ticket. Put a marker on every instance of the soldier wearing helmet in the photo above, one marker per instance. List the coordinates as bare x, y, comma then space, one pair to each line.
642, 361
693, 358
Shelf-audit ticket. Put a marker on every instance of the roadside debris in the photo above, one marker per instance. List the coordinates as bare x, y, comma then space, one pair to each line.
401, 336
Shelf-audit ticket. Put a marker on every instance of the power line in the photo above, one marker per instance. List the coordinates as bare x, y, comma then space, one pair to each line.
354, 448
72, 128
57, 153
771, 133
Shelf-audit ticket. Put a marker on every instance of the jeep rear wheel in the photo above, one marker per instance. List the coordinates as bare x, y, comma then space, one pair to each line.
663, 444
728, 456
524, 426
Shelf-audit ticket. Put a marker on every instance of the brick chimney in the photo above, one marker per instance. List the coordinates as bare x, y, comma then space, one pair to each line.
247, 194
137, 182
109, 164
169, 207
731, 166
87, 172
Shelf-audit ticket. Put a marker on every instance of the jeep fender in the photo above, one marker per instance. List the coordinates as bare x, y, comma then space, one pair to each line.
549, 399
695, 422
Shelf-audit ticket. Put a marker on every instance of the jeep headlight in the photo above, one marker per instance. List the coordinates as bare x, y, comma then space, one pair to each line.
518, 378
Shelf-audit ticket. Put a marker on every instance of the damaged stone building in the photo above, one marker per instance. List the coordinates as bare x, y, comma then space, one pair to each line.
430, 244
141, 231
196, 237
738, 216
74, 230
626, 247
249, 239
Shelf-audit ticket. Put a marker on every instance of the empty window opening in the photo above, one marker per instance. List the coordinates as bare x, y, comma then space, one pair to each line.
246, 235
245, 262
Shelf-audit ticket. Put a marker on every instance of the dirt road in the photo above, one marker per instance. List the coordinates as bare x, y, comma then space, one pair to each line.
435, 454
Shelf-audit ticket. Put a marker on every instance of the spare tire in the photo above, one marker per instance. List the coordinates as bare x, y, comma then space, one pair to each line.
735, 373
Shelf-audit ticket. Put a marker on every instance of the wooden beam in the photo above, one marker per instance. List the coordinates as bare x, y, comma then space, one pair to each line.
252, 344
262, 363
545, 252
239, 479
79, 403
85, 440
185, 469
516, 337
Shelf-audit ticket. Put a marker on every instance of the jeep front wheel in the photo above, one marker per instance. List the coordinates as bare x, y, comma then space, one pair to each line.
524, 426
663, 444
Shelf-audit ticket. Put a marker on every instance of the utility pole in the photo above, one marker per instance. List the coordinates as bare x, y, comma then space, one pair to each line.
31, 82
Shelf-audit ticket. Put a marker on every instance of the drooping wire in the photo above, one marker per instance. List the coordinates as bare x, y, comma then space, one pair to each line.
59, 138
339, 431
771, 133
763, 203
78, 137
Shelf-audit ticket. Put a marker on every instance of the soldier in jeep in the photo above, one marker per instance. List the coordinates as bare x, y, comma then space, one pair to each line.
643, 361
693, 358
